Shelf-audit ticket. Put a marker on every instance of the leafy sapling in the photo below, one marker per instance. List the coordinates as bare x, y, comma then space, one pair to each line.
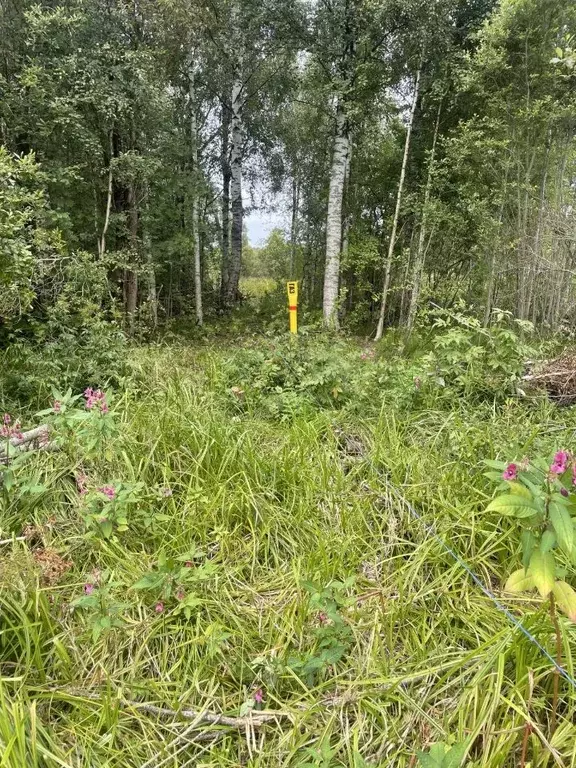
174, 581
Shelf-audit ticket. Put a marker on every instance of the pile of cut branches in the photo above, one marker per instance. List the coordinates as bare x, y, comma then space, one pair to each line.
557, 377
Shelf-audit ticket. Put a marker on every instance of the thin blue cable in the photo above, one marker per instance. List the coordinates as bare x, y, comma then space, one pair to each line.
476, 579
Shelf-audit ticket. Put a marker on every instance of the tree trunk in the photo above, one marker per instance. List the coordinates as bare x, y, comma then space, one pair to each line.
195, 192
226, 175
392, 243
152, 294
334, 219
109, 196
131, 276
418, 267
294, 226
236, 151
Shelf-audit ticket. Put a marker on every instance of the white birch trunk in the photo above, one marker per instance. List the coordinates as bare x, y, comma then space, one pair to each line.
334, 220
225, 231
194, 203
236, 151
418, 267
392, 243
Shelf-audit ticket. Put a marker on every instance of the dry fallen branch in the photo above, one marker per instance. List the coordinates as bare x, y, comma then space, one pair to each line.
557, 377
37, 439
253, 720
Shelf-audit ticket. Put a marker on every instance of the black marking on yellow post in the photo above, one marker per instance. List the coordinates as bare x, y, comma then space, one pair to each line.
293, 305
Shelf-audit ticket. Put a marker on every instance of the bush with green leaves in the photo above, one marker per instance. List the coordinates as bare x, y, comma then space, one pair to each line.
477, 362
290, 375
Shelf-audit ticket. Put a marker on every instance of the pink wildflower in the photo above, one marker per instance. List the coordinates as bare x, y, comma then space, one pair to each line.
7, 419
159, 607
258, 696
560, 463
108, 490
88, 589
322, 617
180, 594
574, 475
511, 472
57, 406
188, 563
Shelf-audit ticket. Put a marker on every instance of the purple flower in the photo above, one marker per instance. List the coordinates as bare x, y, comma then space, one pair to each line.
560, 463
258, 696
322, 617
564, 492
511, 472
7, 419
88, 589
108, 490
57, 406
159, 607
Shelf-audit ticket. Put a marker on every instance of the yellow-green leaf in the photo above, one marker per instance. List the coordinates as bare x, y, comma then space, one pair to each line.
513, 505
542, 569
566, 598
519, 581
519, 490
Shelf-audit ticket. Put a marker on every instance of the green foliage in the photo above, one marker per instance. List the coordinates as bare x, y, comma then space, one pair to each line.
333, 636
467, 359
291, 376
442, 756
29, 243
538, 494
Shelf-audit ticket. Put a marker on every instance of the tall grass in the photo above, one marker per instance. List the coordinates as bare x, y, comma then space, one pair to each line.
274, 506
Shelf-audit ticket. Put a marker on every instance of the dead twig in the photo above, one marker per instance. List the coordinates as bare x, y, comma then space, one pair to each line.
253, 720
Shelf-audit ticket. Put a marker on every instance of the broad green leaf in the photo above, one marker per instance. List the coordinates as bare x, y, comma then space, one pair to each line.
562, 522
106, 529
519, 581
547, 542
454, 757
513, 506
428, 760
542, 569
437, 751
528, 543
565, 596
492, 475
519, 490
150, 581
501, 465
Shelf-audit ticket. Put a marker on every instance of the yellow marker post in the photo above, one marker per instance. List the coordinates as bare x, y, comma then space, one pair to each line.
293, 305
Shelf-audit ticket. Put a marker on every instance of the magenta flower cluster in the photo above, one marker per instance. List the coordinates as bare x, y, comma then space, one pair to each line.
559, 466
108, 490
10, 430
96, 399
560, 463
511, 472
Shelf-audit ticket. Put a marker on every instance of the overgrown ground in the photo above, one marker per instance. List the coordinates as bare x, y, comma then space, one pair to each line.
274, 559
